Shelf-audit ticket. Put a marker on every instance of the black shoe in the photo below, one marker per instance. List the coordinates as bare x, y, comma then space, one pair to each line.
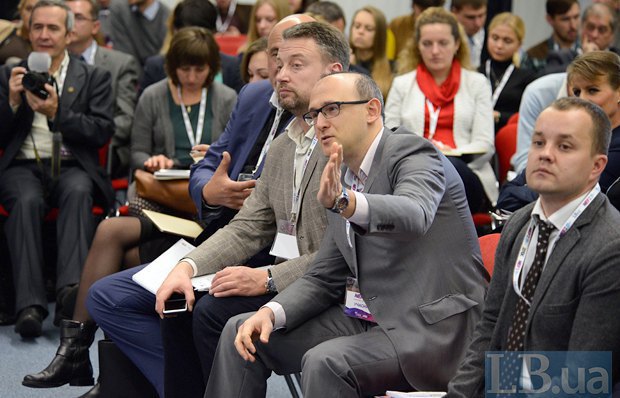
93, 392
30, 322
72, 362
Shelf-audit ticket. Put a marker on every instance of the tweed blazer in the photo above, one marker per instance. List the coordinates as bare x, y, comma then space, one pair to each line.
255, 226
473, 119
152, 132
573, 305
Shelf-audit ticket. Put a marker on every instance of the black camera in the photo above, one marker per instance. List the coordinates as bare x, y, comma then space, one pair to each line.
35, 83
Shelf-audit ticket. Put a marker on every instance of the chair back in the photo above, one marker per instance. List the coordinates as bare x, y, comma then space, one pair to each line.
488, 244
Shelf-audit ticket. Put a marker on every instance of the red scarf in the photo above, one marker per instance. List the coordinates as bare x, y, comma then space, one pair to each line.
439, 95
443, 97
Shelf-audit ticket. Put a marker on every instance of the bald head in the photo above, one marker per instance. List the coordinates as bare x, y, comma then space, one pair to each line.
275, 40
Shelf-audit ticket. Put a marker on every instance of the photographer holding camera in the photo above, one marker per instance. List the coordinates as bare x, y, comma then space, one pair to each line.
54, 117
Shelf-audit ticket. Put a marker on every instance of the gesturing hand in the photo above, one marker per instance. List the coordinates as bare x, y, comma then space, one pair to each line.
222, 191
330, 186
259, 326
238, 281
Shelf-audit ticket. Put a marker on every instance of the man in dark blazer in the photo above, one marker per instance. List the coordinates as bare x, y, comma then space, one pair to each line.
82, 113
398, 206
124, 69
571, 307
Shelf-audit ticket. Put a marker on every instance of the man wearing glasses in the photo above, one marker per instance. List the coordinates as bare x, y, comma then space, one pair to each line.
410, 304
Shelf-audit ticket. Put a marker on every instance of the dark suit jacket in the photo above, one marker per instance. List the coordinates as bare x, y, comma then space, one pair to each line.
246, 121
573, 305
84, 119
425, 298
154, 71
125, 71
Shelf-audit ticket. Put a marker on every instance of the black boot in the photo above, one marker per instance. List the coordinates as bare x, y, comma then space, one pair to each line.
94, 392
72, 362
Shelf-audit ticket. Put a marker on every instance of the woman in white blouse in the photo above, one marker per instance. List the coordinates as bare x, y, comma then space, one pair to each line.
445, 102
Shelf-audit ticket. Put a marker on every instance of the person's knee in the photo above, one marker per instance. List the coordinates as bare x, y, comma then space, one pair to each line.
319, 359
30, 201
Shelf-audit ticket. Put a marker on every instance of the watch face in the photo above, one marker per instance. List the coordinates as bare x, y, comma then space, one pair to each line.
342, 204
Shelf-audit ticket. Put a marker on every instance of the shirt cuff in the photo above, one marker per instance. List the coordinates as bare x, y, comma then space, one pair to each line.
278, 314
192, 263
360, 216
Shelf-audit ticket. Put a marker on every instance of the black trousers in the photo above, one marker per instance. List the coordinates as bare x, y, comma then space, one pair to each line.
190, 341
27, 193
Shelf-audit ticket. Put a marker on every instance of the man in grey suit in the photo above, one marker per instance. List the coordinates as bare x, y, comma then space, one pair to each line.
412, 304
124, 69
570, 306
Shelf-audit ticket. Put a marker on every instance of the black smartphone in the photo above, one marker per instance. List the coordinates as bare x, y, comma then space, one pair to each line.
174, 304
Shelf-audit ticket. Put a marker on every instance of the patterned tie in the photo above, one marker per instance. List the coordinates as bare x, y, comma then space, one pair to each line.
516, 334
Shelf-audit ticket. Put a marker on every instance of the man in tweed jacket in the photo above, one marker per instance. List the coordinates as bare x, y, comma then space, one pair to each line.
291, 162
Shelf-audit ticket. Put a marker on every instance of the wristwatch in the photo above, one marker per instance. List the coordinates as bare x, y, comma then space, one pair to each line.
270, 285
341, 202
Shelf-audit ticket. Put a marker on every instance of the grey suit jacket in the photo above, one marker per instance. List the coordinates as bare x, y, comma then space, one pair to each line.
152, 132
125, 71
255, 226
572, 308
418, 266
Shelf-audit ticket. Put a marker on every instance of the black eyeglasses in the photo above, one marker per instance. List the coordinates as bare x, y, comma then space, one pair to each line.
329, 110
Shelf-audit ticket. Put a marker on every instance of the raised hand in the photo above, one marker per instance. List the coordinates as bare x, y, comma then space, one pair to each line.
330, 185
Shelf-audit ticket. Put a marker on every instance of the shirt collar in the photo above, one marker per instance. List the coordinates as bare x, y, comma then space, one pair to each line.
89, 53
559, 218
150, 12
295, 129
478, 37
273, 100
366, 162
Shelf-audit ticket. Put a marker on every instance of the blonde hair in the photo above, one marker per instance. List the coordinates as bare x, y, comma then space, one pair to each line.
281, 8
410, 57
515, 23
381, 69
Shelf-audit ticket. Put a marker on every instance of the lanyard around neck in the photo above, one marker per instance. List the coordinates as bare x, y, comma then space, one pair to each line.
297, 188
194, 138
270, 137
500, 87
223, 26
530, 231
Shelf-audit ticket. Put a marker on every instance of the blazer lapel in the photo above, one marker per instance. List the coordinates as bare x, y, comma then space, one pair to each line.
562, 248
376, 161
74, 81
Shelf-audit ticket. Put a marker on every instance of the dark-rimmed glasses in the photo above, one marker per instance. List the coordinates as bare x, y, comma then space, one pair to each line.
329, 110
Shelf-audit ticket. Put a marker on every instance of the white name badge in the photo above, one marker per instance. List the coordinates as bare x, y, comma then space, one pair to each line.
285, 244
354, 304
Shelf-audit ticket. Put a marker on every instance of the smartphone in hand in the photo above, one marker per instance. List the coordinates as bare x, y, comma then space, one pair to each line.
176, 303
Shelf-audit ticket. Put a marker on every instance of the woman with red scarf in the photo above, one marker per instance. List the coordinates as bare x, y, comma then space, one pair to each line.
447, 103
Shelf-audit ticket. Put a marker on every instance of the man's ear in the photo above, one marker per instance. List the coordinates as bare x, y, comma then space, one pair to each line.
335, 67
600, 162
374, 110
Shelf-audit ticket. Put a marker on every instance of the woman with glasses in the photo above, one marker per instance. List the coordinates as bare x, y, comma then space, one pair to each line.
447, 103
